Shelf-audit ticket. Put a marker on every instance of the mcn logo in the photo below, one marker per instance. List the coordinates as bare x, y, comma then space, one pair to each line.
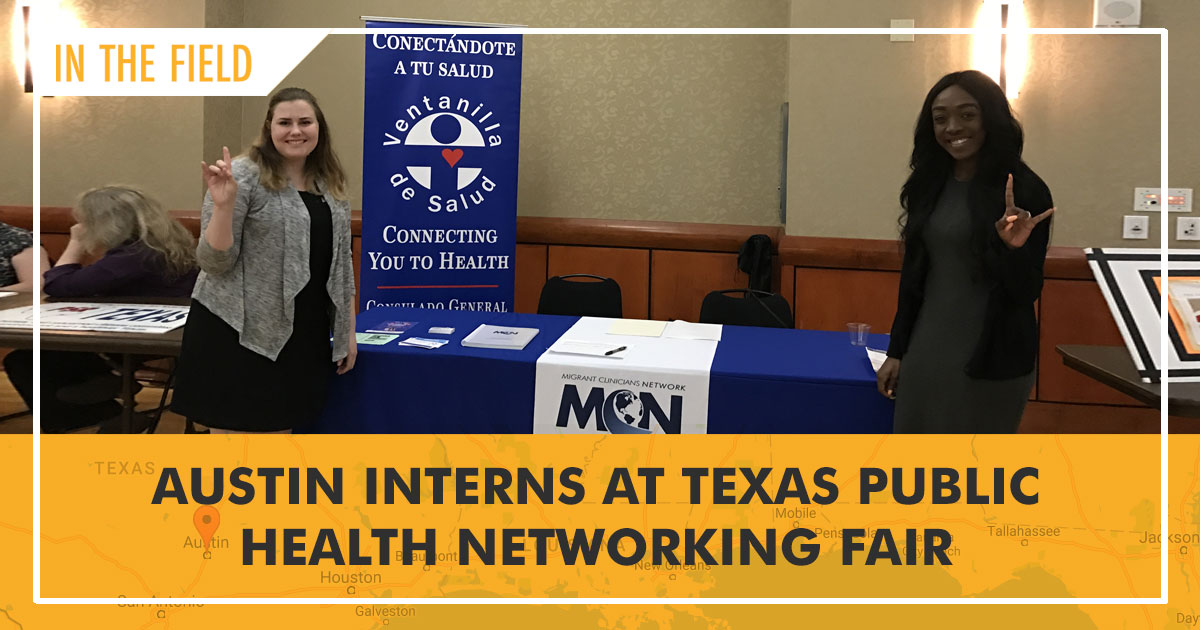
621, 411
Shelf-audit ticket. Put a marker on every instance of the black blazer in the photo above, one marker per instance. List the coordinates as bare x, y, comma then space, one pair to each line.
1008, 344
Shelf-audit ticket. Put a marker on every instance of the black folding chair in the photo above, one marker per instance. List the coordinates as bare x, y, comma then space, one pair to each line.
580, 294
155, 376
136, 372
746, 307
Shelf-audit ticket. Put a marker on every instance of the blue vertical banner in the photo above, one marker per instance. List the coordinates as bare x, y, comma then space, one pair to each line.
440, 145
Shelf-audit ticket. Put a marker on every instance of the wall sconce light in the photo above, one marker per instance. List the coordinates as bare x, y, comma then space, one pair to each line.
28, 65
1002, 56
21, 37
27, 26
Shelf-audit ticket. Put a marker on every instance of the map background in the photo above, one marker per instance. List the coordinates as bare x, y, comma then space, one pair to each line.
1038, 566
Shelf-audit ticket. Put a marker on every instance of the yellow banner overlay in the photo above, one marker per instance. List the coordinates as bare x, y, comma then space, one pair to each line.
515, 516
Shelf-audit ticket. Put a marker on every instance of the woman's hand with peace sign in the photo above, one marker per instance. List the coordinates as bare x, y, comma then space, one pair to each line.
1016, 225
219, 179
223, 188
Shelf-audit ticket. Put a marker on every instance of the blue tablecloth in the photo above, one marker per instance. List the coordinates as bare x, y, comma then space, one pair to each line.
763, 380
772, 380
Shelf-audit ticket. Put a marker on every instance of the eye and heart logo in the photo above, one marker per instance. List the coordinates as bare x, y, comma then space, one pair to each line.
446, 147
447, 135
452, 156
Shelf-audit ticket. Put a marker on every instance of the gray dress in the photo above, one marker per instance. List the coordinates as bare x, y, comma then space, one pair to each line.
934, 394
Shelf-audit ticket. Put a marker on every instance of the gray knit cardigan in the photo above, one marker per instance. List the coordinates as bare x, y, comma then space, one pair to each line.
252, 286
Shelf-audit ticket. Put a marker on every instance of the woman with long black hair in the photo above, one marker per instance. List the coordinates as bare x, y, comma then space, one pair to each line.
975, 229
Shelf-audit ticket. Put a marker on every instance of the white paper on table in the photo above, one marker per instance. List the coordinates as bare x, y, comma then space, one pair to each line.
679, 329
589, 348
421, 342
17, 317
499, 337
97, 317
4, 294
877, 358
661, 382
637, 327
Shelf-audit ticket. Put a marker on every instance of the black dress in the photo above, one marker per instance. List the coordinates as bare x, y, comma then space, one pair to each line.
222, 384
935, 394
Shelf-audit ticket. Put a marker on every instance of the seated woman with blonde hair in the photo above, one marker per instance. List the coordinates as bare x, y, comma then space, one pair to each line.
138, 251
143, 251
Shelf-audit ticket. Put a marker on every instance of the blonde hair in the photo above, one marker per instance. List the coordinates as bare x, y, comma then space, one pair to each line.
112, 215
322, 166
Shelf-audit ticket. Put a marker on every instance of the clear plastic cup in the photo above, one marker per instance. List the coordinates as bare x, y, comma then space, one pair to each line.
858, 333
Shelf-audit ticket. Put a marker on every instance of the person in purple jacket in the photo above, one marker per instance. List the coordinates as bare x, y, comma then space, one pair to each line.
143, 251
137, 250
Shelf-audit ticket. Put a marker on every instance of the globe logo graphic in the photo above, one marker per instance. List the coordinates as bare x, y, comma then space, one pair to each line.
624, 413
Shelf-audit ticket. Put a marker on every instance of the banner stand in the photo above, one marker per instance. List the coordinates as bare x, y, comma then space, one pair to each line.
441, 130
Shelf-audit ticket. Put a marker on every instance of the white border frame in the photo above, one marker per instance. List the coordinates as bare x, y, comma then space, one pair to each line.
691, 601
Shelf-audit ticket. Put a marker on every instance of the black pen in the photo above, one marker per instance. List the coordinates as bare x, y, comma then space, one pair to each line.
614, 351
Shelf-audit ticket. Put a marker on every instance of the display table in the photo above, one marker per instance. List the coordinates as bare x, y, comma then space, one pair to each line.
1112, 366
763, 380
124, 345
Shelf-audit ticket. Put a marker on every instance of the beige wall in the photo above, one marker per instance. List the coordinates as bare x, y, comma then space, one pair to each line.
153, 143
1090, 108
16, 122
222, 114
683, 128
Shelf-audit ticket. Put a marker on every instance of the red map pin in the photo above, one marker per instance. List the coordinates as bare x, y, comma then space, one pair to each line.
206, 519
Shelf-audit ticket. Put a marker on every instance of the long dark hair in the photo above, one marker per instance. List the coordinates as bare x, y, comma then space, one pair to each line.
322, 165
931, 166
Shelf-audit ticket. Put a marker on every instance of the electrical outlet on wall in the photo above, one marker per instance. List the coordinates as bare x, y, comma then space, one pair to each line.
1150, 200
1136, 226
1187, 229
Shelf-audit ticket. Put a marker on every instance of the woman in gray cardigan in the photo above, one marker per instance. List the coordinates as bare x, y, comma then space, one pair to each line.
276, 280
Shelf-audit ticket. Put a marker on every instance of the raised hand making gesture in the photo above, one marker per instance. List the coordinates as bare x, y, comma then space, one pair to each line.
273, 307
219, 179
222, 187
1016, 225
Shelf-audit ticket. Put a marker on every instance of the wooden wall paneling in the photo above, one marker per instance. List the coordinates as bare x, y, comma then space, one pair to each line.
886, 255
828, 299
1074, 311
19, 216
840, 253
827, 281
55, 244
629, 267
786, 281
190, 219
1047, 417
710, 237
530, 271
1180, 424
801, 251
56, 219
680, 280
